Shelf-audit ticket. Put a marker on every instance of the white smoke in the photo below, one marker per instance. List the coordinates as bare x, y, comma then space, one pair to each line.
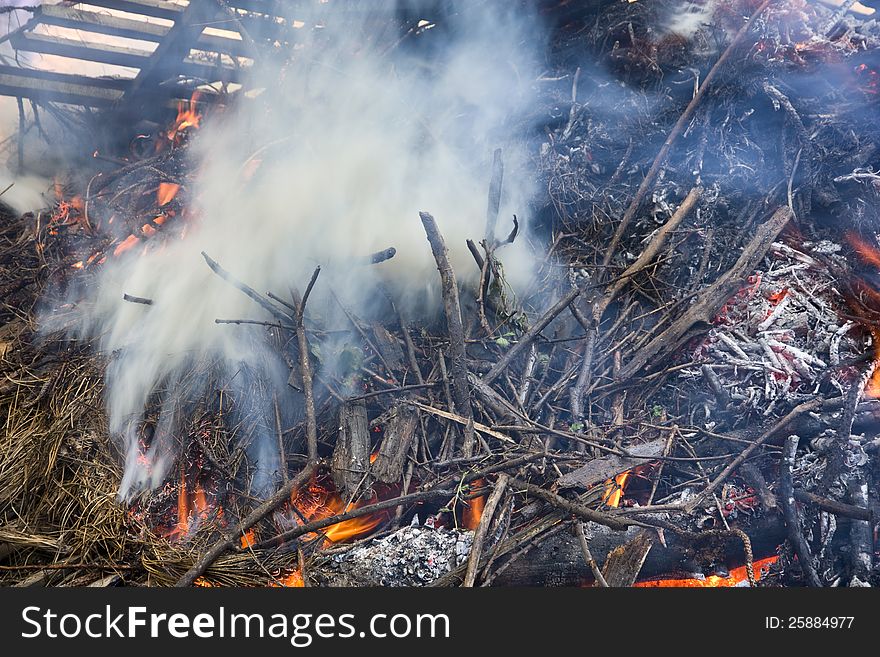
351, 143
689, 17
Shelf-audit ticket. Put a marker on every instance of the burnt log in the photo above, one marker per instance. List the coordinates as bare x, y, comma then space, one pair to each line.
396, 444
559, 560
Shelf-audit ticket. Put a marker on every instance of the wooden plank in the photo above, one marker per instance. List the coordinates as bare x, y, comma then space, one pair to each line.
117, 83
72, 89
120, 56
152, 8
91, 21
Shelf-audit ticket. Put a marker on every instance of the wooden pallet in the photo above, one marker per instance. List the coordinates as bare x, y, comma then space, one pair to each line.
184, 57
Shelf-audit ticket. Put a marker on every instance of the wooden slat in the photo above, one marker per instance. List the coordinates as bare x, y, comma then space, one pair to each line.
153, 8
43, 86
117, 55
91, 21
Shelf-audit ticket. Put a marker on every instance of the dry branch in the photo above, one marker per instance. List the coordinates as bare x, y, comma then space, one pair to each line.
452, 307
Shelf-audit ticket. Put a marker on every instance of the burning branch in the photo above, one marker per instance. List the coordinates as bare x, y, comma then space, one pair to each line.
281, 496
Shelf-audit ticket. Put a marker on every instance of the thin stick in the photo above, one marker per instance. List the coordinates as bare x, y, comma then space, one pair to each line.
249, 291
530, 335
282, 453
483, 529
588, 556
142, 300
796, 412
574, 508
305, 365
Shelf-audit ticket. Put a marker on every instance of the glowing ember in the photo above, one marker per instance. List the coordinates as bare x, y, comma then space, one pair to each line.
472, 513
737, 576
614, 490
128, 243
166, 193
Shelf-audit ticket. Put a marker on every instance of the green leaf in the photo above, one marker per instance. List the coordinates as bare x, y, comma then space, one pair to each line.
502, 342
577, 426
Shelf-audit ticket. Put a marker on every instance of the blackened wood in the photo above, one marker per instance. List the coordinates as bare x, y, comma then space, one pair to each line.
791, 515
154, 8
559, 561
397, 442
59, 87
389, 348
351, 456
107, 53
624, 563
606, 467
833, 506
99, 23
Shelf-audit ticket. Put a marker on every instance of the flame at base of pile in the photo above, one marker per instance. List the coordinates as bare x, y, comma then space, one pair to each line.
737, 577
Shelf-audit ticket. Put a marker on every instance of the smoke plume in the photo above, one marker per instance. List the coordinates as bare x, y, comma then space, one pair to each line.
330, 162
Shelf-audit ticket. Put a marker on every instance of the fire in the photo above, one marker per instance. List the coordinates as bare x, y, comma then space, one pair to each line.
190, 508
249, 538
472, 513
293, 580
128, 243
166, 193
187, 117
870, 255
614, 490
736, 577
317, 501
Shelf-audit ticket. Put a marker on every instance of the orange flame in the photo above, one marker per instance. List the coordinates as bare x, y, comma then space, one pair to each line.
470, 517
187, 117
249, 538
317, 502
128, 243
736, 577
189, 508
614, 490
293, 580
867, 252
870, 255
166, 193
